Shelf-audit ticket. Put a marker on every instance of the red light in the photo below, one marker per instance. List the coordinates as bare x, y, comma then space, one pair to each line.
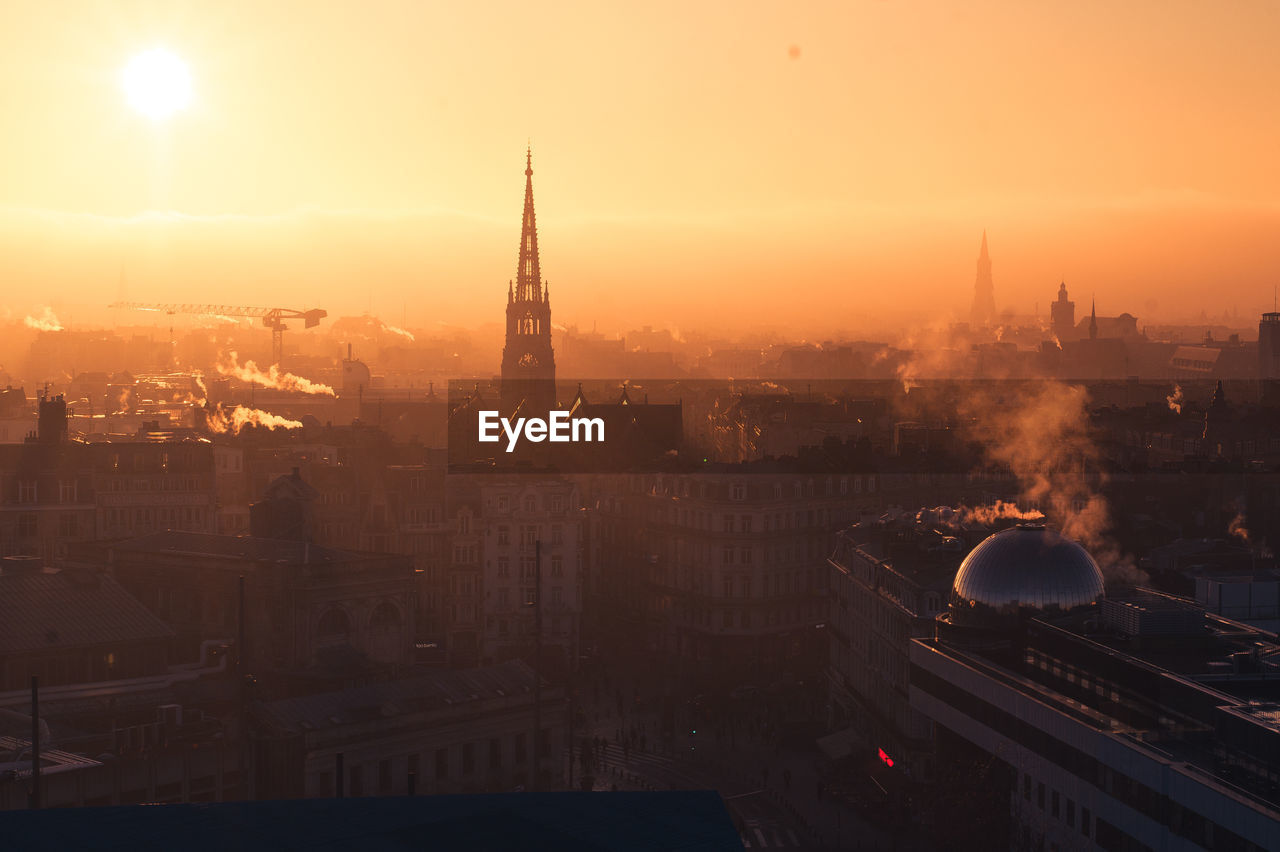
888, 761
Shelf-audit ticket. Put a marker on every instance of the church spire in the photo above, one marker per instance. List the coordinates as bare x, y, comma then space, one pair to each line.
982, 254
1093, 319
528, 271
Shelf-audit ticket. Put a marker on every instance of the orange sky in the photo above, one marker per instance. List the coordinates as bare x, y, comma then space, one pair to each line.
688, 168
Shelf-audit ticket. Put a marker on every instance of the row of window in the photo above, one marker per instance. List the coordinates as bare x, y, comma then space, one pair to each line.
528, 567
470, 756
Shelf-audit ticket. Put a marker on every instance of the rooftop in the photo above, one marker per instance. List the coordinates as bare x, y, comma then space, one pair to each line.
439, 688
42, 610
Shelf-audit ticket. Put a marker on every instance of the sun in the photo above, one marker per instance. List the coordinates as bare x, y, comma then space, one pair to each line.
157, 83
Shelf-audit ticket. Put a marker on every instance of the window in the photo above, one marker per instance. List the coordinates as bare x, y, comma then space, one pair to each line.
413, 765
728, 618
27, 491
729, 524
557, 566
530, 504
1084, 821
464, 524
384, 776
504, 566
67, 491
557, 504
1040, 796
442, 764
529, 535
1071, 813
504, 503
468, 758
557, 534
1053, 806
504, 536
738, 492
357, 781
521, 748
495, 753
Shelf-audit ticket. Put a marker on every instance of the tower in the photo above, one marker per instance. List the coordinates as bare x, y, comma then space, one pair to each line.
983, 312
1093, 319
1269, 346
1063, 314
528, 363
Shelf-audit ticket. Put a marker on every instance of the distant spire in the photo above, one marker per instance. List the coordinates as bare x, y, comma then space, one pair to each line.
1093, 318
528, 271
983, 311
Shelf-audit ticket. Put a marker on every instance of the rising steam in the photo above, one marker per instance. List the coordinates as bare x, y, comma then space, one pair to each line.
273, 378
1042, 437
1175, 399
221, 421
43, 320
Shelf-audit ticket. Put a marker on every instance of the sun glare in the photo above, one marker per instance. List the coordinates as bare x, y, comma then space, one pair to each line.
157, 83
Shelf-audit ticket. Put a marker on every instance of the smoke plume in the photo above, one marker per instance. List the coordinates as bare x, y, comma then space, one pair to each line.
1175, 399
273, 378
221, 421
999, 511
1040, 433
43, 320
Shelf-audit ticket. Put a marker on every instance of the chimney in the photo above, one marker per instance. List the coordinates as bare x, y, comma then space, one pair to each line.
51, 422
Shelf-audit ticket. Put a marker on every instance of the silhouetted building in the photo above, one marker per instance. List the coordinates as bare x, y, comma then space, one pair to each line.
1063, 314
73, 626
1123, 722
459, 731
528, 362
333, 614
1269, 346
983, 312
287, 511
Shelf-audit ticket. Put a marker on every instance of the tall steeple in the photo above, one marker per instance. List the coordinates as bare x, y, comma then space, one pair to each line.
528, 362
983, 312
528, 270
1093, 318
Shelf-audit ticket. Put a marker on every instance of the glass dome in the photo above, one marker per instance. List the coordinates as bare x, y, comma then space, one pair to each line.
1026, 570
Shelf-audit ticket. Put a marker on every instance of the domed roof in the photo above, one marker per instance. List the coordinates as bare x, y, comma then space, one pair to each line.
1025, 569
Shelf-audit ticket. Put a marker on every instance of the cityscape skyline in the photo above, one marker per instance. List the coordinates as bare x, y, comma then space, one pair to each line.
860, 150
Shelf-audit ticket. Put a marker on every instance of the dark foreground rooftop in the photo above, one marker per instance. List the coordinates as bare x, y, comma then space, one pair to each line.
589, 822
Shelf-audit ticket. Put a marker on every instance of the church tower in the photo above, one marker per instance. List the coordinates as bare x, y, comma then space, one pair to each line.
1063, 312
983, 312
528, 363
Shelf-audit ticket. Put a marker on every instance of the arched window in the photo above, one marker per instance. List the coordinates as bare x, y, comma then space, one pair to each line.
334, 624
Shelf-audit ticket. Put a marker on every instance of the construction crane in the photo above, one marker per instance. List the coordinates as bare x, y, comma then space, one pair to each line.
272, 318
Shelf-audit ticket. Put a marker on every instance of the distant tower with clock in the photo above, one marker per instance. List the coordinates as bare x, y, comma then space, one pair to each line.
528, 363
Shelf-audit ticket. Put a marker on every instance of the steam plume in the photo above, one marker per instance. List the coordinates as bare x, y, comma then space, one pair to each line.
273, 378
221, 421
1175, 399
43, 320
1041, 435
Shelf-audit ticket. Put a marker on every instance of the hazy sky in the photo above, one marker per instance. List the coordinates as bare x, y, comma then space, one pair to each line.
733, 163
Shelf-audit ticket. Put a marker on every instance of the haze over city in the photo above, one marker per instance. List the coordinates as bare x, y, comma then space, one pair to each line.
585, 426
812, 168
